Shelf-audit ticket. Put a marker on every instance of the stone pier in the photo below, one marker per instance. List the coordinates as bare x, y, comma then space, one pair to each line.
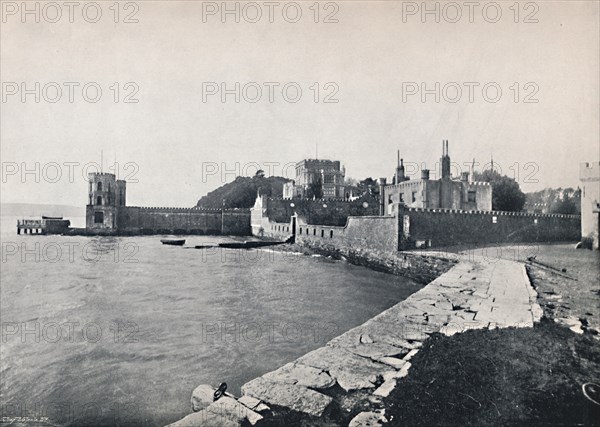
356, 369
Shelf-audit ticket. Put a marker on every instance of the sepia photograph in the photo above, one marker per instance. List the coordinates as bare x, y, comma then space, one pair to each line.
303, 213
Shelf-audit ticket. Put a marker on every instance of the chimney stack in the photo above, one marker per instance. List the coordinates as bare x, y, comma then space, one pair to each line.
382, 203
445, 161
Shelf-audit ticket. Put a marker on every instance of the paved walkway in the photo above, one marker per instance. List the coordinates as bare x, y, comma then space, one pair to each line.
370, 358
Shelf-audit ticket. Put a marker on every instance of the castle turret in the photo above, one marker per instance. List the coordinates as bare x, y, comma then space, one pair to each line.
105, 195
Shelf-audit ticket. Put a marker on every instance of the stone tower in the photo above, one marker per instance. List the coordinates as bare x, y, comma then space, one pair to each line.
106, 195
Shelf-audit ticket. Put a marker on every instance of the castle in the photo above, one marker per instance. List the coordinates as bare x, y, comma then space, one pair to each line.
403, 215
406, 214
107, 213
443, 193
326, 175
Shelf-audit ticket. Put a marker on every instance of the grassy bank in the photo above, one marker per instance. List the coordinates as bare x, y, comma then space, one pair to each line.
529, 376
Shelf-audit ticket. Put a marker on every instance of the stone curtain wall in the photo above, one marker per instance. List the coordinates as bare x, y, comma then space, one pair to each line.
361, 234
333, 212
133, 219
444, 227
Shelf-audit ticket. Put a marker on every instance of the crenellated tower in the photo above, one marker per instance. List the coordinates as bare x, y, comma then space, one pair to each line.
106, 195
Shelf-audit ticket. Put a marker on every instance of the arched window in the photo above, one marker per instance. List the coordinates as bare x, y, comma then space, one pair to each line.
99, 186
99, 200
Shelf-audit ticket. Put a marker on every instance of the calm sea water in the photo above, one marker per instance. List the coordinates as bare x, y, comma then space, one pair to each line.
105, 331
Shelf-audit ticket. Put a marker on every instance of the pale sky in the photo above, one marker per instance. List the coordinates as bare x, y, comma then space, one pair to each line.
370, 55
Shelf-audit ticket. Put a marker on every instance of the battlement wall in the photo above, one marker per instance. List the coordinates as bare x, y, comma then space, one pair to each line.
442, 227
333, 212
164, 220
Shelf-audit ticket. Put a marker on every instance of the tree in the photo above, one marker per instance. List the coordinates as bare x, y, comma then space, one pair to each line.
506, 193
568, 203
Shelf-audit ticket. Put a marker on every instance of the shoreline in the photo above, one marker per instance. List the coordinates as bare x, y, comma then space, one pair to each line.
421, 268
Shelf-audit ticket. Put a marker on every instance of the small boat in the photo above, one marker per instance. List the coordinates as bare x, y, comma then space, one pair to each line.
254, 244
173, 242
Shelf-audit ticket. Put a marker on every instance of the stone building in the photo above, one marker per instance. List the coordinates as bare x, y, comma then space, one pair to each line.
106, 195
108, 213
444, 193
589, 175
313, 172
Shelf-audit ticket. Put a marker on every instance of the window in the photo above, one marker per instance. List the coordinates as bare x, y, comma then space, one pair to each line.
331, 234
414, 196
99, 186
494, 220
98, 217
472, 197
99, 200
401, 198
322, 233
300, 230
314, 231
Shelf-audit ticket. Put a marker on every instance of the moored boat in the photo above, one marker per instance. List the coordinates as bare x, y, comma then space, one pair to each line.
173, 242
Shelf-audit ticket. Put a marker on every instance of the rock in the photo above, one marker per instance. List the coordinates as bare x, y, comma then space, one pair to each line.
225, 412
366, 339
376, 350
366, 419
252, 403
232, 409
386, 388
410, 355
393, 362
292, 396
202, 397
206, 419
352, 372
404, 370
296, 373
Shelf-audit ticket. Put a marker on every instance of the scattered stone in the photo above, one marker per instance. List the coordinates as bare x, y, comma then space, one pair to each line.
352, 372
291, 396
393, 362
202, 397
206, 419
376, 350
404, 370
296, 373
232, 409
366, 419
386, 388
252, 403
366, 339
410, 355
